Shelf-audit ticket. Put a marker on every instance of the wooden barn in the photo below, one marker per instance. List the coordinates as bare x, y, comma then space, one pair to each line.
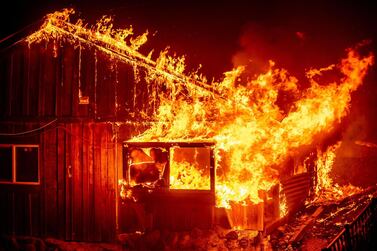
66, 106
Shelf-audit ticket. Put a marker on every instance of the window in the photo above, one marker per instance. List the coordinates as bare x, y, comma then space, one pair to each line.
173, 165
147, 165
6, 163
190, 168
19, 164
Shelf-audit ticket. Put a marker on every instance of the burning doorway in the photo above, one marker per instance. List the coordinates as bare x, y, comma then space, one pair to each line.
167, 185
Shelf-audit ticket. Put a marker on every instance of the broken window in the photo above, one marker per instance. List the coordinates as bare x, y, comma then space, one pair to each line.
147, 165
185, 166
190, 168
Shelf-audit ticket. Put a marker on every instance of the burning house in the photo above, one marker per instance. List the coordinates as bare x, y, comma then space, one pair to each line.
97, 139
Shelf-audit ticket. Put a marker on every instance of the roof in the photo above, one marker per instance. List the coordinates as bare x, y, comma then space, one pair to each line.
117, 43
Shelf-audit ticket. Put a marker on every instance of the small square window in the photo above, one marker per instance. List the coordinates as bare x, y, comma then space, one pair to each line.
147, 165
190, 168
6, 163
26, 164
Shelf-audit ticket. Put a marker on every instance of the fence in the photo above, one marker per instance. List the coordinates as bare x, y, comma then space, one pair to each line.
360, 234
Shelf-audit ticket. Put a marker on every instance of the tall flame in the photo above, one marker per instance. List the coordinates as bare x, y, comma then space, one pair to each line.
326, 189
254, 135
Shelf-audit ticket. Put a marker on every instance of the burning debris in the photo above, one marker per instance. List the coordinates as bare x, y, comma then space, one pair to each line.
320, 223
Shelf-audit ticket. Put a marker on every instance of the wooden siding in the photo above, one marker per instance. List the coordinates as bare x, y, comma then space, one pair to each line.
80, 160
76, 199
43, 80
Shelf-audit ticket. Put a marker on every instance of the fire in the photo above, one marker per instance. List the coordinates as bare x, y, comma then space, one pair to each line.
190, 168
185, 176
283, 208
251, 132
124, 192
253, 135
326, 190
366, 144
324, 163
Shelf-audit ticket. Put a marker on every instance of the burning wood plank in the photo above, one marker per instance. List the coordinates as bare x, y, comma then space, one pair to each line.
301, 231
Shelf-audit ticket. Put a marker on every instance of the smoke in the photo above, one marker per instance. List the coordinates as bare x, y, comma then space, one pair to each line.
356, 130
296, 48
259, 44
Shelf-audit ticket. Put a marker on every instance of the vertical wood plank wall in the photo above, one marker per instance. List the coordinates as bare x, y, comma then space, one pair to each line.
44, 81
76, 199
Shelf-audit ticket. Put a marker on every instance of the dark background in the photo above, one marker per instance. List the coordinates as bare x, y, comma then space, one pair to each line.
297, 35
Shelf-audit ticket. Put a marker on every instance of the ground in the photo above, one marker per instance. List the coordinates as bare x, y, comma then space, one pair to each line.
318, 233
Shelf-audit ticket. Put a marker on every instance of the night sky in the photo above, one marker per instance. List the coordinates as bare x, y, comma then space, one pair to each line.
221, 34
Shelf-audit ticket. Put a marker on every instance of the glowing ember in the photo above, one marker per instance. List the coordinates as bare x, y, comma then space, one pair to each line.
253, 135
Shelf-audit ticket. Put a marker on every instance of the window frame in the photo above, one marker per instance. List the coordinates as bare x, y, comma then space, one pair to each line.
168, 145
14, 165
170, 160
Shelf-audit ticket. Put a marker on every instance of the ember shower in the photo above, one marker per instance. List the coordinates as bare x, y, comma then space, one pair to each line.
253, 135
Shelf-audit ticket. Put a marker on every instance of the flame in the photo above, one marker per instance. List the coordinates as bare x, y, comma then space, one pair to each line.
251, 131
124, 192
324, 164
283, 206
184, 175
190, 168
366, 144
253, 135
326, 190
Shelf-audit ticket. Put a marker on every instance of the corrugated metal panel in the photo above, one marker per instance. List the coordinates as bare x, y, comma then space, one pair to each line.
296, 190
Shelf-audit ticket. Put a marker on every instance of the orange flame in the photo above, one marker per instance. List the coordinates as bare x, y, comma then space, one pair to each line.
326, 190
254, 136
185, 176
283, 206
251, 132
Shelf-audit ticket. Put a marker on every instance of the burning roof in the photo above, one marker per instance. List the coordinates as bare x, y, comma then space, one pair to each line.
117, 43
254, 135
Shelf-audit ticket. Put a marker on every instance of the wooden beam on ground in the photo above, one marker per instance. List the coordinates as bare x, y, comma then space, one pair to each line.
300, 232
